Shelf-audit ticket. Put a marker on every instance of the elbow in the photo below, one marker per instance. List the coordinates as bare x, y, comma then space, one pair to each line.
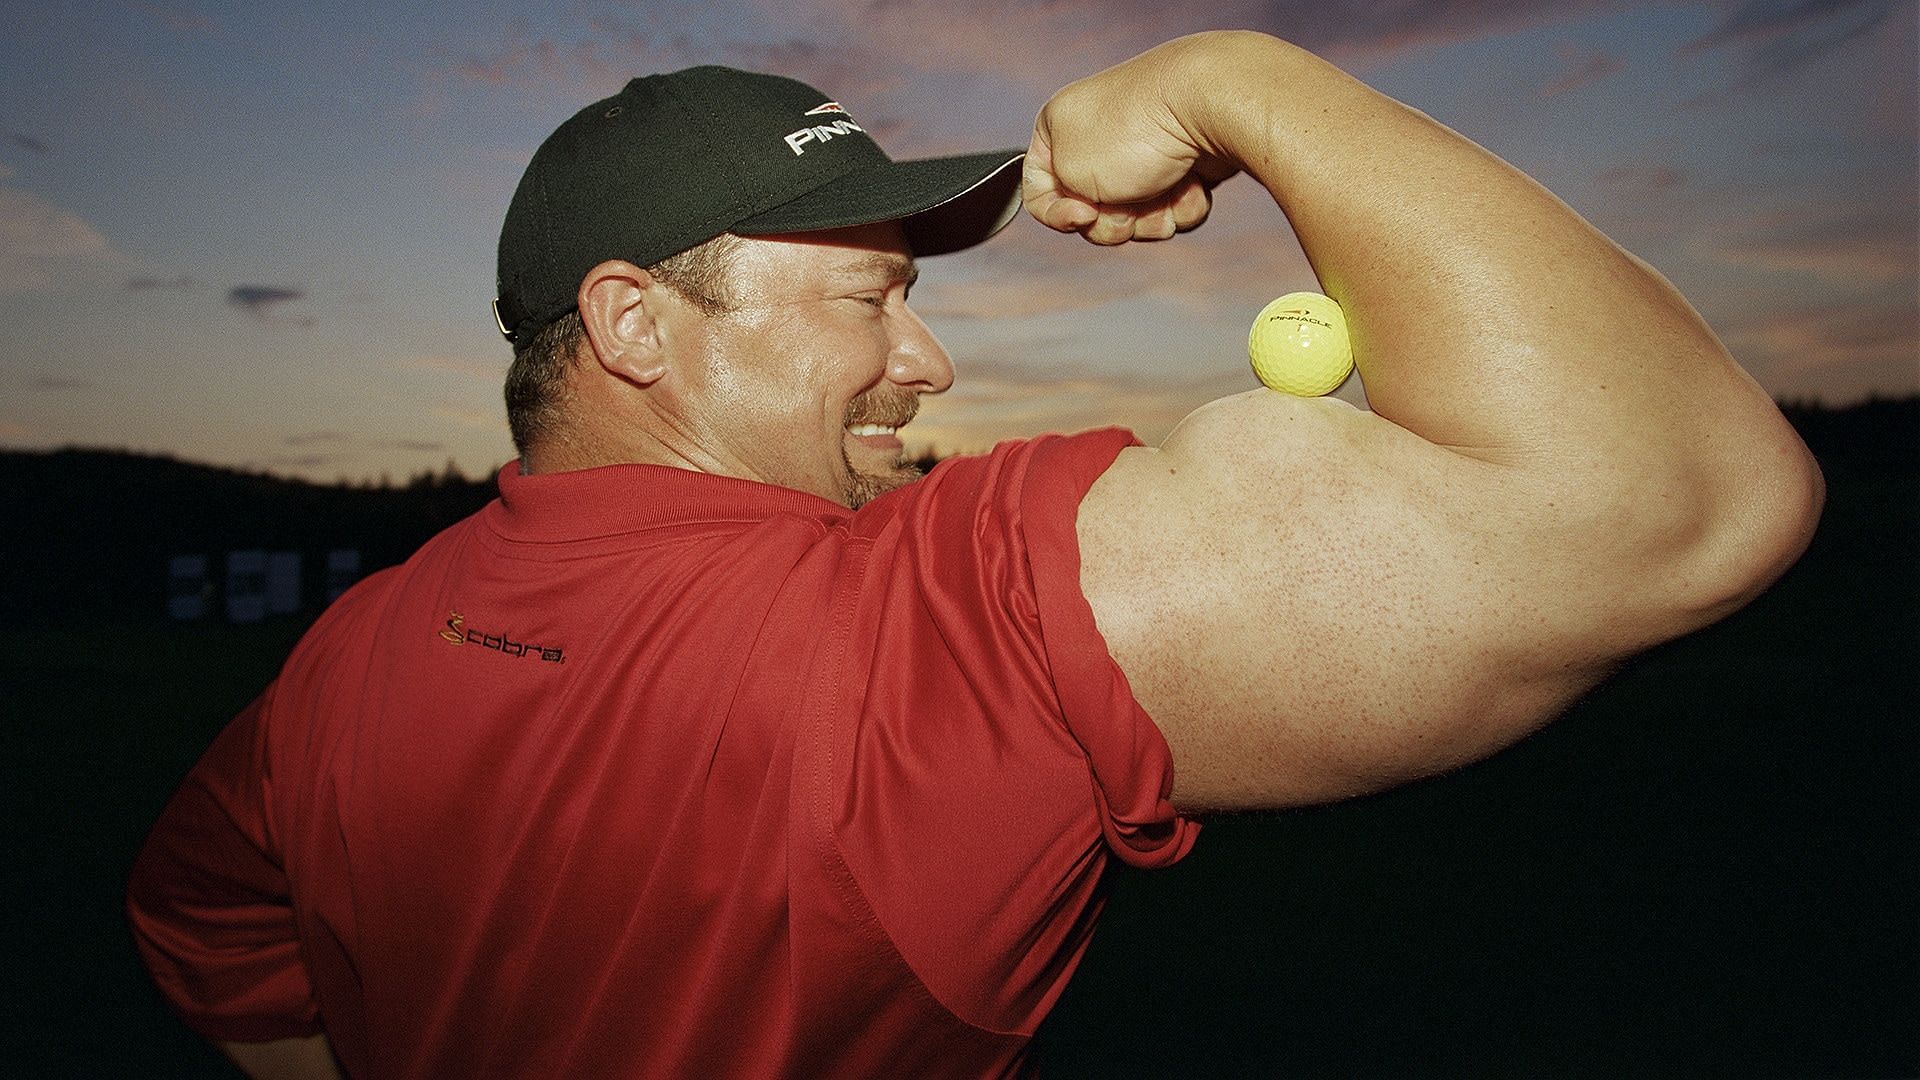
1756, 519
1797, 498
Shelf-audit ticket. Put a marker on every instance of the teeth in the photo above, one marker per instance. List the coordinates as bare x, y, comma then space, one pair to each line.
870, 429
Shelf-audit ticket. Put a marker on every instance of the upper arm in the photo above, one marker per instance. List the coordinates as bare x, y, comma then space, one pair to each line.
1314, 603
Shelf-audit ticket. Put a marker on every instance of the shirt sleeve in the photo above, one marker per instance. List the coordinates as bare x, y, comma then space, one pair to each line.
1131, 763
209, 904
999, 757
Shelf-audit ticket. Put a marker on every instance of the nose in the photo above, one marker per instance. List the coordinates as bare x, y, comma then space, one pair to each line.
918, 361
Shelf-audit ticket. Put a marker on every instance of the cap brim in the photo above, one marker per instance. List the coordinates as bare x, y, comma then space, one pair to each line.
943, 204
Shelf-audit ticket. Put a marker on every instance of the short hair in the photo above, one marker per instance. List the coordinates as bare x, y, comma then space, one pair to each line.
536, 389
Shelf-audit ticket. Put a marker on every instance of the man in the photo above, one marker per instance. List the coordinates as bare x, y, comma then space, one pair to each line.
717, 747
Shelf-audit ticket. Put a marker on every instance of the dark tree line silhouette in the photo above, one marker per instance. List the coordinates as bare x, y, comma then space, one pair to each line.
92, 530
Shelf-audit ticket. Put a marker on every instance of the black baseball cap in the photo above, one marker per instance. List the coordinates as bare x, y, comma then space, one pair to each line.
674, 160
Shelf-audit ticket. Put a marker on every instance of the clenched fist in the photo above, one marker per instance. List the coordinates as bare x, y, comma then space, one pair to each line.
1125, 154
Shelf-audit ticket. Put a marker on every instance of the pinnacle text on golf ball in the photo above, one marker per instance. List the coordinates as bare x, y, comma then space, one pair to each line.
1299, 345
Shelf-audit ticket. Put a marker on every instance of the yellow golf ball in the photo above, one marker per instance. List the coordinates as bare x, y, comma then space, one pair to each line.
1299, 345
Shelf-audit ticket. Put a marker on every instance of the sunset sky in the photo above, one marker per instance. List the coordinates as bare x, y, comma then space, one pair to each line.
264, 236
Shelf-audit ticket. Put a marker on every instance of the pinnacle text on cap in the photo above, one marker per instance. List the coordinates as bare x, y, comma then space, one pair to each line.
799, 139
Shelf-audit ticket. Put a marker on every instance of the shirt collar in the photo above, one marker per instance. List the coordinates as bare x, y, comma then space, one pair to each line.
613, 499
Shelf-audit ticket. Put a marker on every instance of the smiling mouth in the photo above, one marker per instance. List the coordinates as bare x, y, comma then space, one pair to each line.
881, 437
874, 419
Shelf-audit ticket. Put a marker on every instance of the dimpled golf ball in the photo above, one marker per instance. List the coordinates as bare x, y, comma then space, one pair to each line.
1299, 345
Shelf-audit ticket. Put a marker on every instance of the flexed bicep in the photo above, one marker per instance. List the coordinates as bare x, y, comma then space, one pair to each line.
1314, 604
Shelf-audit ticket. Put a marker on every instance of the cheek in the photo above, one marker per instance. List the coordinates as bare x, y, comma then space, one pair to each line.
794, 372
752, 374
780, 418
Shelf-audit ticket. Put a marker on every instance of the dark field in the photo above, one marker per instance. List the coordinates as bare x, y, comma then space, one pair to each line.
1711, 867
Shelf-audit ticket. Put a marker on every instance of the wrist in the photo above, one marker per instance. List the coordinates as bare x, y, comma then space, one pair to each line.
1215, 87
1235, 88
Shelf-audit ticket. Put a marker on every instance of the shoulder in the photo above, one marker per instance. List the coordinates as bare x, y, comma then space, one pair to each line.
991, 533
1018, 480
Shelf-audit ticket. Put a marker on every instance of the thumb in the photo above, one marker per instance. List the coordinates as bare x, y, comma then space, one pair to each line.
1042, 193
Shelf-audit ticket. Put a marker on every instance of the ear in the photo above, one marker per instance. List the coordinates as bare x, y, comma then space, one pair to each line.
621, 308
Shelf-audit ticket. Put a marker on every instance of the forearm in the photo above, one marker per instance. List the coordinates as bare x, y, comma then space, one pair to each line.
310, 1058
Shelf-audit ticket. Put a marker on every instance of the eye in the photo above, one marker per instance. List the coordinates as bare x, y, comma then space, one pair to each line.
875, 300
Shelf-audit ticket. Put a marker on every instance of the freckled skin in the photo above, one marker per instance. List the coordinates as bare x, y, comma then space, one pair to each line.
1315, 602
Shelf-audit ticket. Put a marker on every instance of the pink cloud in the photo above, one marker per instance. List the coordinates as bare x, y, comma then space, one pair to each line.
1641, 180
35, 236
609, 52
1893, 111
931, 78
578, 69
1039, 45
1773, 39
1837, 352
1356, 31
1793, 28
544, 64
1849, 247
175, 18
1584, 68
1045, 45
853, 71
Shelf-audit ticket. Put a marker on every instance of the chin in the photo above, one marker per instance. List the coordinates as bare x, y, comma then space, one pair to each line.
864, 487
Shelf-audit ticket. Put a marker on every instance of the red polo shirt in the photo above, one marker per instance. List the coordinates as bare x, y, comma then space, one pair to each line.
645, 772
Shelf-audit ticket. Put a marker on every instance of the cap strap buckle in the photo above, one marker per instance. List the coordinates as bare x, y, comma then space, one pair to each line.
505, 332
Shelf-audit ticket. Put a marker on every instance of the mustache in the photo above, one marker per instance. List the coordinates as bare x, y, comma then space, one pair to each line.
885, 404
